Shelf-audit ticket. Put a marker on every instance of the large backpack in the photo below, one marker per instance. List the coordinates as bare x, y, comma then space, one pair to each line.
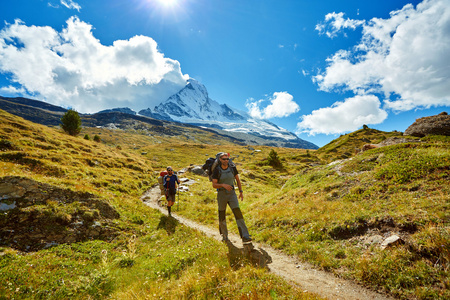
161, 181
211, 164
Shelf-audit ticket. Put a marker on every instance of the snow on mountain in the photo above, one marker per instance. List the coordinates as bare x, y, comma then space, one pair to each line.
192, 105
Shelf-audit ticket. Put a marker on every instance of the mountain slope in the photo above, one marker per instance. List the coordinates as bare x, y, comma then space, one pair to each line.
50, 115
193, 105
72, 225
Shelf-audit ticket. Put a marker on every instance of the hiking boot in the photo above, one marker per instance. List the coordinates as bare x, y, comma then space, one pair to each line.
225, 240
246, 240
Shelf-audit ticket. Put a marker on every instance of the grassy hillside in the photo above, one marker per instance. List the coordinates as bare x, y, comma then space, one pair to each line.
348, 145
337, 215
331, 207
72, 224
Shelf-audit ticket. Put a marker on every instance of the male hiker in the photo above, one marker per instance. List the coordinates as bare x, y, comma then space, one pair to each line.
224, 177
170, 184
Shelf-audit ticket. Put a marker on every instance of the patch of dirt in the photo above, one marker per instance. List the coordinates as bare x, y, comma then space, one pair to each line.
379, 226
35, 216
304, 275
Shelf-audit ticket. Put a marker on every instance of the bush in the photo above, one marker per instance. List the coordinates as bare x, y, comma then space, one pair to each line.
97, 138
86, 137
71, 122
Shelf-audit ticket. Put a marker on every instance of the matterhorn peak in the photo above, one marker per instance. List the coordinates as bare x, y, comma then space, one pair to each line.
192, 105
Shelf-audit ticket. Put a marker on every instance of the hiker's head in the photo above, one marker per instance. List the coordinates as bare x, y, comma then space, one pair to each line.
169, 170
224, 157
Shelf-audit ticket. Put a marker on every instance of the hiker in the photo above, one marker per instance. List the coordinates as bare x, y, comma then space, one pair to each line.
223, 178
171, 182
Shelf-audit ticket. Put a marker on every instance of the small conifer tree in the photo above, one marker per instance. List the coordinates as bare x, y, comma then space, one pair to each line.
86, 137
97, 138
71, 122
274, 160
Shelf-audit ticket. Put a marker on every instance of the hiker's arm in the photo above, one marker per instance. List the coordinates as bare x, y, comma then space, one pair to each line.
238, 181
217, 185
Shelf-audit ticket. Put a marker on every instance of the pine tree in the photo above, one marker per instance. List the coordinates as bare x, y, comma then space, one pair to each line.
274, 160
71, 122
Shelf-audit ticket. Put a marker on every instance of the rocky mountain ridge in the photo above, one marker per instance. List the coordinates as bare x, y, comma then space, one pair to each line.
43, 113
192, 105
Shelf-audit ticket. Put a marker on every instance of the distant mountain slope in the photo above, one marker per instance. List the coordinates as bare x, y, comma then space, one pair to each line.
33, 110
50, 115
193, 105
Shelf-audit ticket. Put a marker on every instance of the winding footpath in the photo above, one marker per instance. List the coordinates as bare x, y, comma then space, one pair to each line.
309, 279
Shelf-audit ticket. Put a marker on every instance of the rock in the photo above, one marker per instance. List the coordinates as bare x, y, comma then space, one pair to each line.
435, 125
26, 228
374, 239
387, 142
368, 147
183, 189
391, 241
197, 170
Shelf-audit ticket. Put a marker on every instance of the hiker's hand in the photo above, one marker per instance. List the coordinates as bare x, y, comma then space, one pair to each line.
227, 187
241, 196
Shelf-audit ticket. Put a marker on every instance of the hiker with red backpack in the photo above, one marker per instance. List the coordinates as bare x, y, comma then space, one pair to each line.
224, 175
170, 183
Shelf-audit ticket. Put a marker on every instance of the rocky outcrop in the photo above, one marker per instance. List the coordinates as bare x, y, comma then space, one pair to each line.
388, 142
433, 125
37, 215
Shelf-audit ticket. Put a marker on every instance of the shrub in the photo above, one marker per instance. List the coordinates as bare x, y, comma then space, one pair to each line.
71, 122
97, 138
86, 137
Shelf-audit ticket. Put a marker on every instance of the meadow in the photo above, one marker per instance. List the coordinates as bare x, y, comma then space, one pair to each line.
325, 207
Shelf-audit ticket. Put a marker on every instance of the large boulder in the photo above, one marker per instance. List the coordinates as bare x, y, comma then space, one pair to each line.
434, 125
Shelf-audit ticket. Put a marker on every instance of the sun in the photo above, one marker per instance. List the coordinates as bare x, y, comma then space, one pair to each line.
167, 3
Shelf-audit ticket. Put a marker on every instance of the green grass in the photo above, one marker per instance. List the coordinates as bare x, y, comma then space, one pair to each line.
318, 212
142, 254
323, 214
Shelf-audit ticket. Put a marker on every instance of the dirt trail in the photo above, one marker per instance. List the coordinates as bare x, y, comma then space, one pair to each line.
319, 282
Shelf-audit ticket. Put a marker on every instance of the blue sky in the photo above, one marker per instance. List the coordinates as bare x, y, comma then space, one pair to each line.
317, 68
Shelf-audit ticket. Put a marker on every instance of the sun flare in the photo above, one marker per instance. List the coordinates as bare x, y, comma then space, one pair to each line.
167, 3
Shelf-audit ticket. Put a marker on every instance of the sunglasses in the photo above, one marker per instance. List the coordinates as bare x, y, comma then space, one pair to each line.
224, 158
169, 170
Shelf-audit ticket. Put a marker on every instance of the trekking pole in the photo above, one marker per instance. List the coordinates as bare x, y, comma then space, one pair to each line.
178, 204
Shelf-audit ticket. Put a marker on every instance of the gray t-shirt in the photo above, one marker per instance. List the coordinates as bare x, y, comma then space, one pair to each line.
225, 176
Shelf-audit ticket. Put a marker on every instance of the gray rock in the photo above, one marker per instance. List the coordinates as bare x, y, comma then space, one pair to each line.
197, 170
433, 125
391, 241
374, 239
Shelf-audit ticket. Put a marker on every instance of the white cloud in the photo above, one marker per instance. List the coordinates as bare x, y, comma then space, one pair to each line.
70, 4
12, 90
72, 68
282, 104
343, 116
335, 22
405, 57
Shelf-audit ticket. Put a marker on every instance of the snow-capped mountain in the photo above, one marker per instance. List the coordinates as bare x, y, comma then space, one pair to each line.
192, 105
